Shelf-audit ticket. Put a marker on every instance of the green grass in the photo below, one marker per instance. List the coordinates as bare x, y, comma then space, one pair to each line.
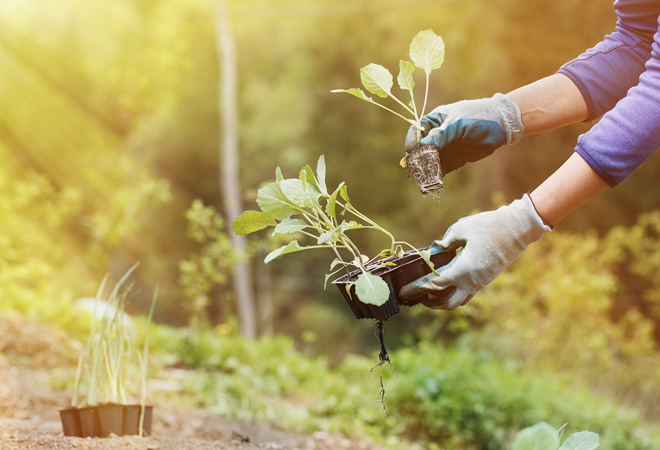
446, 398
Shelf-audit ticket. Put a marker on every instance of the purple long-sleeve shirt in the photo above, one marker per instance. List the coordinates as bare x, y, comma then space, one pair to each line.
620, 79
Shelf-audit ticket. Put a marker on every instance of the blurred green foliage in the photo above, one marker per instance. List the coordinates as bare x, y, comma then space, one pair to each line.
445, 397
563, 307
208, 267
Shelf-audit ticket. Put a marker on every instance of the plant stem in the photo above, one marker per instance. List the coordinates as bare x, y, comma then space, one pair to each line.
355, 251
403, 104
373, 224
412, 101
341, 260
397, 114
426, 94
405, 243
322, 215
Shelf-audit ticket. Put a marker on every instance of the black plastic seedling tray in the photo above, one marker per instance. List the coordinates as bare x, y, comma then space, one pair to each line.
408, 268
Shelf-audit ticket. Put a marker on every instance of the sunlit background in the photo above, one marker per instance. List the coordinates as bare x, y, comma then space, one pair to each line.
110, 154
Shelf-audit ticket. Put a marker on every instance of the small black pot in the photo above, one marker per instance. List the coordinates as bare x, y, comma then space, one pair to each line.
89, 422
408, 268
70, 421
132, 420
106, 419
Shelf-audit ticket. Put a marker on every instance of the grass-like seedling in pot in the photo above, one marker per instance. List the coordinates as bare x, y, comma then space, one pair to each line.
427, 52
104, 370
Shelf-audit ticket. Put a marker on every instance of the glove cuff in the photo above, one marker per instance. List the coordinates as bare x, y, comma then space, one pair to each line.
511, 118
529, 225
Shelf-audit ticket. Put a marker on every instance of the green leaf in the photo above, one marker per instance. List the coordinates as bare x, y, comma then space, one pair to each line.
350, 225
371, 289
288, 226
273, 202
427, 51
584, 440
560, 431
288, 248
348, 287
335, 262
307, 176
537, 437
347, 205
426, 256
341, 228
405, 78
310, 184
357, 92
294, 190
251, 221
343, 192
278, 174
320, 174
327, 277
362, 259
377, 80
332, 202
325, 237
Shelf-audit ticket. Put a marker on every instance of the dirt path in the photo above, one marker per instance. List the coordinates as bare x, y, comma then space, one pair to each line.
29, 418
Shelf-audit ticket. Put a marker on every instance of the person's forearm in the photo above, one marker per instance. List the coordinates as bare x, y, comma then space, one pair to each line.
549, 103
572, 185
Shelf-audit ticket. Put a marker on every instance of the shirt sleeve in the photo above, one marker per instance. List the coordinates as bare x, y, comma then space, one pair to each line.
604, 73
629, 133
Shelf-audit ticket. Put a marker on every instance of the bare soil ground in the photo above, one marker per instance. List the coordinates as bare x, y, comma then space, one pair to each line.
29, 418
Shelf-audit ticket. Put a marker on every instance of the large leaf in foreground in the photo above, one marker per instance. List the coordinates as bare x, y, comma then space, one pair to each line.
377, 80
537, 437
427, 51
273, 202
288, 248
251, 221
372, 289
584, 440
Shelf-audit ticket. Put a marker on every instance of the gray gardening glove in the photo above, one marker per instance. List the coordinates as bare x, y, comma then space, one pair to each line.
490, 241
469, 130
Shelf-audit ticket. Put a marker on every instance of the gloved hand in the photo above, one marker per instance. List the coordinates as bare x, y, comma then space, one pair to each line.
469, 130
490, 241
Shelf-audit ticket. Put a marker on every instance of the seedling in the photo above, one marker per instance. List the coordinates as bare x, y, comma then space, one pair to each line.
427, 52
304, 205
104, 363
